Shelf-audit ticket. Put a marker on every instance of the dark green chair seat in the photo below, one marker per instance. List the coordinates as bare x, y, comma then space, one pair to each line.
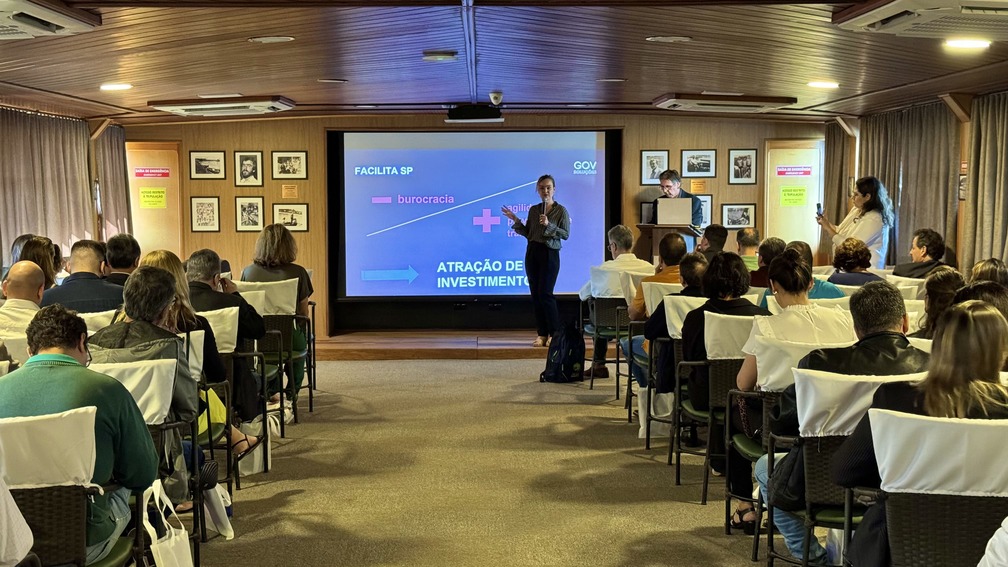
748, 447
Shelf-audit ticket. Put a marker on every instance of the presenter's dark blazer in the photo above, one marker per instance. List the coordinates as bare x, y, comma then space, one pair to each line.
697, 212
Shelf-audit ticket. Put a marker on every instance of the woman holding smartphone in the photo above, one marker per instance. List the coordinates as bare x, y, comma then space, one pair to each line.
869, 220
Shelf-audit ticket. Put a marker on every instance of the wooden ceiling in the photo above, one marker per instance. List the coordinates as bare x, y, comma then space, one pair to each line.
543, 55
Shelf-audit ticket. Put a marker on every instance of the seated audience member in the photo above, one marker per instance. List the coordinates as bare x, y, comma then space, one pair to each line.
713, 240
59, 262
208, 291
991, 270
275, 253
940, 288
990, 292
748, 247
820, 289
605, 282
768, 250
186, 321
39, 249
671, 250
852, 260
122, 256
23, 288
800, 320
148, 330
55, 380
926, 252
15, 250
691, 271
969, 350
84, 290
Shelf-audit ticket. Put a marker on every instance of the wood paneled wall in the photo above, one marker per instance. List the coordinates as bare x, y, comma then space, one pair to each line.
674, 133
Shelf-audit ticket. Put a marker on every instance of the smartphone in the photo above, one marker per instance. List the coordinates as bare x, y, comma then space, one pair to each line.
818, 209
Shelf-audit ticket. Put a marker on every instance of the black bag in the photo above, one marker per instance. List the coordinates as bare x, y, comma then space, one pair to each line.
786, 489
565, 359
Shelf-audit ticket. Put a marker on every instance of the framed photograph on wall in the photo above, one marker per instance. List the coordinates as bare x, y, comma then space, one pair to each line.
292, 215
738, 215
249, 214
653, 162
248, 169
706, 205
742, 167
699, 163
290, 165
207, 165
205, 214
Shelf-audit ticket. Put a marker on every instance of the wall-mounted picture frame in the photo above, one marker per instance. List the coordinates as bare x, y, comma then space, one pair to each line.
292, 215
205, 164
741, 215
707, 206
289, 165
205, 214
699, 163
248, 168
653, 162
742, 167
962, 186
249, 214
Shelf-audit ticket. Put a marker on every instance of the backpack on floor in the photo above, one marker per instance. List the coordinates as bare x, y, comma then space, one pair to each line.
565, 358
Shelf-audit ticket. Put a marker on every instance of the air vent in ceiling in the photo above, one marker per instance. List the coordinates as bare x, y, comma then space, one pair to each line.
986, 19
712, 103
243, 106
25, 19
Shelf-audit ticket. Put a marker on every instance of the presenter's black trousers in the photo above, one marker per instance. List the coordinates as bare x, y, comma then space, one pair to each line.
542, 265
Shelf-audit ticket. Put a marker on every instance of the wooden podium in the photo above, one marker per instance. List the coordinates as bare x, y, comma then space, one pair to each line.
646, 246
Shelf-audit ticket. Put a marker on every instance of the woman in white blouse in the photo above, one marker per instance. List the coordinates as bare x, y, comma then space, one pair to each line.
869, 220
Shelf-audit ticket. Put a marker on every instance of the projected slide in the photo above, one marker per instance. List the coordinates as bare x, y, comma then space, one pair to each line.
422, 211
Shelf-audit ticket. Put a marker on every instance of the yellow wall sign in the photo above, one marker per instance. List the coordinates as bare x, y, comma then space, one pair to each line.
791, 196
153, 198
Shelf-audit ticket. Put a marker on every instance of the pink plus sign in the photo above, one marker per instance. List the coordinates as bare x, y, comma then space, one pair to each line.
486, 220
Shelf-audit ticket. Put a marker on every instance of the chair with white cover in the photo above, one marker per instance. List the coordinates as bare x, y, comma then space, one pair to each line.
829, 408
655, 292
628, 284
724, 336
823, 272
17, 346
48, 462
841, 302
916, 283
97, 321
951, 474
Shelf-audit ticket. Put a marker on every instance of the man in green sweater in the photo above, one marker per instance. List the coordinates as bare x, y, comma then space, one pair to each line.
54, 379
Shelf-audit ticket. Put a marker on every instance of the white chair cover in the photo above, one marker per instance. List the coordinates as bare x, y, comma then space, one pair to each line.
48, 450
724, 335
922, 344
775, 359
916, 283
97, 321
908, 292
848, 290
224, 323
996, 554
628, 285
757, 291
841, 302
607, 283
256, 298
753, 298
17, 346
655, 292
194, 352
825, 271
150, 382
16, 537
881, 272
281, 296
833, 404
933, 455
676, 309
4, 367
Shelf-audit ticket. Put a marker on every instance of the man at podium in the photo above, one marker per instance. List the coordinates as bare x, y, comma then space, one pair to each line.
671, 186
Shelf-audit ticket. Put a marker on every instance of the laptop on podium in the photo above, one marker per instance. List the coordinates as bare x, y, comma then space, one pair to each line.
675, 211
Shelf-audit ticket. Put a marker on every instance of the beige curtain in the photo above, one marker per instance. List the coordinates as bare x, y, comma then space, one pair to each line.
986, 208
113, 183
929, 193
835, 174
44, 178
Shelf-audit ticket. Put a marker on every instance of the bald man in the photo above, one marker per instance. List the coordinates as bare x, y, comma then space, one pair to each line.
84, 290
23, 287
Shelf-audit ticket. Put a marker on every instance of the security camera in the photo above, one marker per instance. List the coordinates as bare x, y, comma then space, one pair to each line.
496, 97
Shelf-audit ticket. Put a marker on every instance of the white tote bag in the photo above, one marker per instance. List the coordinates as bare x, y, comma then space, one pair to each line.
215, 504
172, 550
253, 463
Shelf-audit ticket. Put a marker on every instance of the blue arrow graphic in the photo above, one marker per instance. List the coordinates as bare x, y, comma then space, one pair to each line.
389, 275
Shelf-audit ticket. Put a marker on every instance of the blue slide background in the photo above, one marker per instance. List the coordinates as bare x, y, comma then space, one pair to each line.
382, 263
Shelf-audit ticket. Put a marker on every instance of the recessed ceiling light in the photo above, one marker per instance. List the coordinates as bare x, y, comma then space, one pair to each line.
442, 55
365, 106
220, 95
720, 93
610, 80
271, 39
668, 38
823, 84
968, 43
333, 81
116, 87
576, 105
